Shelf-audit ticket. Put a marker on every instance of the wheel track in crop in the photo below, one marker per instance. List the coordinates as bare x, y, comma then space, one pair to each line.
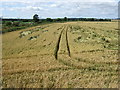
67, 43
71, 65
58, 45
57, 48
63, 61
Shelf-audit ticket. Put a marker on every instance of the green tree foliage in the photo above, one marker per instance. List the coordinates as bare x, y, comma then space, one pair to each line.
8, 23
65, 19
36, 18
58, 19
49, 19
16, 23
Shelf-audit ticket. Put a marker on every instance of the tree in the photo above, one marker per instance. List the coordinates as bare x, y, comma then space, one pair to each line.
65, 19
8, 23
17, 23
49, 19
35, 18
58, 19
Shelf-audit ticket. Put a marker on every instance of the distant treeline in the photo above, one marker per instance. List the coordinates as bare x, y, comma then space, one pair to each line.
58, 19
9, 25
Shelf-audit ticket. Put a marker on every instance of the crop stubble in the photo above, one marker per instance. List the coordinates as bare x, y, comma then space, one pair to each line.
67, 63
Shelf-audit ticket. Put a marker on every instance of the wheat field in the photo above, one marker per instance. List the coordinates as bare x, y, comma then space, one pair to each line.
61, 55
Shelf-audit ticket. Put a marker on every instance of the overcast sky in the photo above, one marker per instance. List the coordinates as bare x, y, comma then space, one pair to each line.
59, 8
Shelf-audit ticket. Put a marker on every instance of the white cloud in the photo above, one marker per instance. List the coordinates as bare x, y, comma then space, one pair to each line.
62, 9
24, 8
53, 5
33, 8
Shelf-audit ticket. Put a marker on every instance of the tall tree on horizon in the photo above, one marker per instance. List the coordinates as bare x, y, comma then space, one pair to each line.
65, 19
36, 18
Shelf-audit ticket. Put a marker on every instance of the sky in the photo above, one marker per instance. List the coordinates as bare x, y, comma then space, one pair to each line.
25, 9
